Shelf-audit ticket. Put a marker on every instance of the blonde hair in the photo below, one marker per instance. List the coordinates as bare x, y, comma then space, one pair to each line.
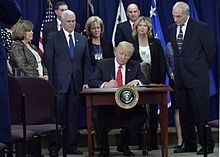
138, 21
20, 28
126, 47
91, 22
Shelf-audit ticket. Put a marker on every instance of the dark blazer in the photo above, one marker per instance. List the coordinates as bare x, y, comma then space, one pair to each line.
191, 66
61, 68
9, 14
107, 49
158, 63
169, 60
123, 33
105, 71
50, 27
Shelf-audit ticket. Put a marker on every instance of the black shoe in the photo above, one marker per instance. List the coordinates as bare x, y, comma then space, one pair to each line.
125, 150
53, 153
178, 146
185, 149
150, 148
74, 151
209, 150
103, 153
144, 151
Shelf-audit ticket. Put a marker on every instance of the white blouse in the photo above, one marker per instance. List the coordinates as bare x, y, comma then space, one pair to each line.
145, 53
38, 59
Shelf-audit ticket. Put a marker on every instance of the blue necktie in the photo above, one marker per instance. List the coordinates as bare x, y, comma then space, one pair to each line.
71, 46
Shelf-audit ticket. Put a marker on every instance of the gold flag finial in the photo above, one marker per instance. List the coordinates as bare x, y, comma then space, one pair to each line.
49, 3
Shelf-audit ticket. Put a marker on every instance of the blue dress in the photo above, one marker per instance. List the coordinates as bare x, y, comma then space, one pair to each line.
9, 14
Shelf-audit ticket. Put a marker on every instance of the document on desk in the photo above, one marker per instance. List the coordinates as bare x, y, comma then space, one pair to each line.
155, 85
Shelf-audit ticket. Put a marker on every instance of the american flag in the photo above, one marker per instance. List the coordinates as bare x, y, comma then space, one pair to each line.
120, 17
157, 30
49, 16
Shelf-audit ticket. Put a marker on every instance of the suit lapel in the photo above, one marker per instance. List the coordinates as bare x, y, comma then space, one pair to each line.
128, 72
77, 44
129, 29
64, 43
188, 33
151, 46
112, 68
54, 25
173, 36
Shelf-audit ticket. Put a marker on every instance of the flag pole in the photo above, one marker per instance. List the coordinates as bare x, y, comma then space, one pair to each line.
49, 3
49, 16
87, 8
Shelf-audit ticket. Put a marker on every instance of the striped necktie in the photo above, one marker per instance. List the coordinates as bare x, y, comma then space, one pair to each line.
179, 39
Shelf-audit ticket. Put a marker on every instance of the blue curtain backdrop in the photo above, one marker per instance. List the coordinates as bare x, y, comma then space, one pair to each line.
208, 11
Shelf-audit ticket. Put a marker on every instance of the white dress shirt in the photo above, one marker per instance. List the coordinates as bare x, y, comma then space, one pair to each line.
183, 28
67, 36
58, 25
123, 67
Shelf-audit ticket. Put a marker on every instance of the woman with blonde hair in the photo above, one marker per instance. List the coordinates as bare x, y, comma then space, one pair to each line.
149, 53
99, 48
23, 54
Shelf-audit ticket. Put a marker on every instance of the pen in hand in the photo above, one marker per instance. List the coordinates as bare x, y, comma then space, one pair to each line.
112, 83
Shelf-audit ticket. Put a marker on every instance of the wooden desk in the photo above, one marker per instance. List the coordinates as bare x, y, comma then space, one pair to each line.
152, 94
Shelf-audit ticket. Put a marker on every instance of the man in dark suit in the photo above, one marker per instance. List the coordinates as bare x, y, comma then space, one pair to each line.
67, 59
194, 49
105, 76
124, 29
9, 14
55, 26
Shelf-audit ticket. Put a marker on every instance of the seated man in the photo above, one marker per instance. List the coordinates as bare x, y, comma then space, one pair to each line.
115, 72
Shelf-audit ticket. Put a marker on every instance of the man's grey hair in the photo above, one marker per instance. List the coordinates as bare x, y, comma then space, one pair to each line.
184, 6
65, 13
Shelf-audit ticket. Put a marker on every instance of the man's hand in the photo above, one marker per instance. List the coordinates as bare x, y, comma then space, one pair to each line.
45, 77
172, 76
85, 86
133, 83
112, 83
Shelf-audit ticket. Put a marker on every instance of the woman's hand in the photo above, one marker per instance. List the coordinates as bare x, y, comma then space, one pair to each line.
45, 77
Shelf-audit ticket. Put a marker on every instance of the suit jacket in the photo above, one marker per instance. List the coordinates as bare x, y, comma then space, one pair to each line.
61, 68
158, 63
169, 60
9, 14
105, 70
23, 59
107, 49
50, 27
123, 33
198, 49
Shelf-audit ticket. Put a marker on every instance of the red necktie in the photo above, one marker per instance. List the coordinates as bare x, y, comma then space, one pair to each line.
119, 76
119, 82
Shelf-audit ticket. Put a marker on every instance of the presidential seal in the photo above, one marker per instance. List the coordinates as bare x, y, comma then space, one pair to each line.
126, 96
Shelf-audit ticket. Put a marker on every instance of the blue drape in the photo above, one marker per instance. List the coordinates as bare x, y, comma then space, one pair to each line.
208, 11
